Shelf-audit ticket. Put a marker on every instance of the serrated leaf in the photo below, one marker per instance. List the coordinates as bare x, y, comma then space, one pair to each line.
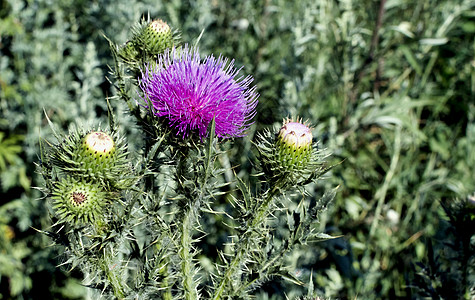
320, 237
290, 277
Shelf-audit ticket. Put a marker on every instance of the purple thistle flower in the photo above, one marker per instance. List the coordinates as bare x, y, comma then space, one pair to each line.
190, 92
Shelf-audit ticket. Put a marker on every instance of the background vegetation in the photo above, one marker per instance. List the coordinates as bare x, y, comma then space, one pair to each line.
388, 85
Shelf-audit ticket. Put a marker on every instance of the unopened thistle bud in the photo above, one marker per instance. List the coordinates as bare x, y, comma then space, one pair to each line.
150, 38
157, 37
78, 201
97, 151
290, 156
96, 155
294, 144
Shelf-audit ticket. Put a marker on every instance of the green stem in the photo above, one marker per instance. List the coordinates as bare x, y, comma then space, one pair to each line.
111, 271
269, 263
466, 237
190, 212
99, 261
261, 214
222, 285
186, 256
164, 284
113, 278
186, 228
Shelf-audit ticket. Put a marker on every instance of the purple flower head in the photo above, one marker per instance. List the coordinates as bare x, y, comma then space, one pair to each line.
190, 92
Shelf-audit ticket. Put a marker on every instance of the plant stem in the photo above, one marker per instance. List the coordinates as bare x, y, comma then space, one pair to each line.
164, 284
381, 193
186, 240
190, 212
186, 229
262, 212
466, 237
111, 271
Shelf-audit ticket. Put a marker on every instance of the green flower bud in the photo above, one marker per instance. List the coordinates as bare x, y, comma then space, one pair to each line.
79, 202
95, 155
290, 156
294, 144
150, 38
97, 151
157, 37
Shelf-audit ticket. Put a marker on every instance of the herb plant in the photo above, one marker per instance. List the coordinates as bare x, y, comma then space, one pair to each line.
132, 223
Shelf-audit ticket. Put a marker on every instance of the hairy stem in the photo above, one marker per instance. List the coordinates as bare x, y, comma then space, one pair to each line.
186, 256
164, 284
186, 228
247, 237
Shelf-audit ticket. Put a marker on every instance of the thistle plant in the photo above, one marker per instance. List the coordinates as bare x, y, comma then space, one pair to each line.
133, 223
79, 202
292, 156
190, 93
149, 38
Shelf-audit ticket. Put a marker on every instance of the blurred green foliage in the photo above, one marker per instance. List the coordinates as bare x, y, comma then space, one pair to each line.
393, 99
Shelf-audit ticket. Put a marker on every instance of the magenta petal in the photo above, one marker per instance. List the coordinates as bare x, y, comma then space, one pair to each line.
190, 92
